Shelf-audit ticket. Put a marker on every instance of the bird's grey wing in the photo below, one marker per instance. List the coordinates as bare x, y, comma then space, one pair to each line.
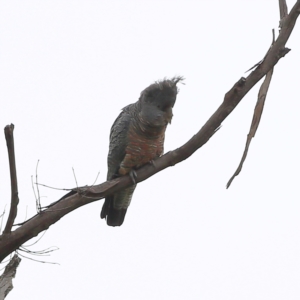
118, 142
115, 206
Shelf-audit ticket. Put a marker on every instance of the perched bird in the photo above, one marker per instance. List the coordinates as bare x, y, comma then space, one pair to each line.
136, 138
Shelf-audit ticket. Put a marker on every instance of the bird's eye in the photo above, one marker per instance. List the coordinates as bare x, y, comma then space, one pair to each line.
158, 106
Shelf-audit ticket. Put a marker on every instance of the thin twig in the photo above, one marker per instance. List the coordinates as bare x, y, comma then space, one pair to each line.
96, 179
38, 200
33, 188
44, 252
5, 261
25, 213
75, 178
50, 187
40, 261
42, 235
232, 98
9, 136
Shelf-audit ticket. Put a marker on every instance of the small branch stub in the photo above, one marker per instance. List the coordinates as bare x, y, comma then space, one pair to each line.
49, 216
8, 130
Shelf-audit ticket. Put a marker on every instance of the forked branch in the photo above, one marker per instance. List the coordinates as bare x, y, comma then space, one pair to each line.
261, 96
82, 196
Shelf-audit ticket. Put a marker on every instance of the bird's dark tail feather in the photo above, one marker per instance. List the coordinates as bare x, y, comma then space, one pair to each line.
114, 217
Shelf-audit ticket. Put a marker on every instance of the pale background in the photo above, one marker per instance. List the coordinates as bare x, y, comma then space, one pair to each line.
66, 70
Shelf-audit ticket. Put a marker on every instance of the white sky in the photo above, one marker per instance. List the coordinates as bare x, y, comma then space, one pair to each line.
68, 67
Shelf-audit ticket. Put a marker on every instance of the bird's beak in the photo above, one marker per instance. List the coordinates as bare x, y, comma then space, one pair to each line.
169, 115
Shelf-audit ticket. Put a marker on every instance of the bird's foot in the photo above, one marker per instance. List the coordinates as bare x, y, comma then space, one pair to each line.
133, 176
152, 162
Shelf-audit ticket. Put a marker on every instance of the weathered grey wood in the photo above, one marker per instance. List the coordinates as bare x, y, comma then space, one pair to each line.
6, 278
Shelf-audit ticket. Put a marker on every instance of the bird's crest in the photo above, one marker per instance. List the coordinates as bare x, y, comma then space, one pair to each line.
162, 84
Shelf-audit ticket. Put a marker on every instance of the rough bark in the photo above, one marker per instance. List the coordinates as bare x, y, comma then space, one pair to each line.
6, 278
82, 196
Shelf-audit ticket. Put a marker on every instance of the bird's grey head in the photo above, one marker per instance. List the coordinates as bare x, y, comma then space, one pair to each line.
157, 101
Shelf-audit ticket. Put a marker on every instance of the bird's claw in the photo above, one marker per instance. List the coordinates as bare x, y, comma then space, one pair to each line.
133, 176
152, 162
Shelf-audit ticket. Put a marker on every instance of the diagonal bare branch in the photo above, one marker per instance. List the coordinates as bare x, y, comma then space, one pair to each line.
82, 196
9, 136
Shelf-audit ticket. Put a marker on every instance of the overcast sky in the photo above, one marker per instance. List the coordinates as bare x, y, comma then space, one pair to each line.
67, 68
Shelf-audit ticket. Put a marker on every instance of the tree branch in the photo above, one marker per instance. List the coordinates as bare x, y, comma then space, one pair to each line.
9, 136
82, 196
283, 11
261, 97
6, 278
255, 121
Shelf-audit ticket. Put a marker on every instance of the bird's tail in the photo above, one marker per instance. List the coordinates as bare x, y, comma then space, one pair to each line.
114, 217
115, 207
